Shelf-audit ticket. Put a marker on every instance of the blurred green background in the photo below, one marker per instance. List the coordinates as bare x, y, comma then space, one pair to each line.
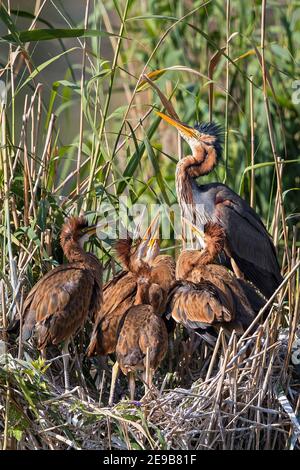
216, 47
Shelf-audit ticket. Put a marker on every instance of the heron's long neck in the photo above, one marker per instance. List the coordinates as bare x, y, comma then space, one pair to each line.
202, 162
151, 295
184, 183
74, 252
208, 255
192, 259
142, 294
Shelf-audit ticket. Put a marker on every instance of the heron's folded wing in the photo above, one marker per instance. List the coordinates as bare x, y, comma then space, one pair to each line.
58, 304
246, 233
194, 305
116, 291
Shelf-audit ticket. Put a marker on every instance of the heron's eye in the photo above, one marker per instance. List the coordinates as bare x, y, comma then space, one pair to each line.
83, 225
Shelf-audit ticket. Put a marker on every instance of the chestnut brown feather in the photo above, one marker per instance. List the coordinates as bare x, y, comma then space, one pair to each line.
120, 293
142, 330
59, 304
129, 322
143, 337
118, 296
208, 294
123, 251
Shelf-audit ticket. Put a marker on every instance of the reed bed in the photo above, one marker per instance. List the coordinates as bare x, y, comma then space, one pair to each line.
247, 397
88, 136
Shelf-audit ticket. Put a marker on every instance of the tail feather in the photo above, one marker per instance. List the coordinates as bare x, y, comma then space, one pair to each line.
267, 282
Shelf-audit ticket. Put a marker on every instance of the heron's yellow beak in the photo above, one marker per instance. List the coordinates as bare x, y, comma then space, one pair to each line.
91, 230
96, 228
195, 230
186, 131
149, 245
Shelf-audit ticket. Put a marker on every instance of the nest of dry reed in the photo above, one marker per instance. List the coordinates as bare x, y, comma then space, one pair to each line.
242, 395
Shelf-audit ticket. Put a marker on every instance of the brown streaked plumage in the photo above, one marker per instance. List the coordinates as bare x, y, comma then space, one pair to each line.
207, 295
59, 304
119, 294
248, 248
130, 323
118, 297
143, 339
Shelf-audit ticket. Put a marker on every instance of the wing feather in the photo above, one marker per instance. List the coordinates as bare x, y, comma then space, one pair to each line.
55, 307
196, 304
248, 241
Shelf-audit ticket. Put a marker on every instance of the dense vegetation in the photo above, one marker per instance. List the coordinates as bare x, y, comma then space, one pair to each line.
78, 130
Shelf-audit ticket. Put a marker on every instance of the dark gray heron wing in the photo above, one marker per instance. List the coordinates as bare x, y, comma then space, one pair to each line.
249, 243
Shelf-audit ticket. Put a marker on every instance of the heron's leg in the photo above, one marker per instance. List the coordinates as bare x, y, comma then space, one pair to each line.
150, 378
114, 376
78, 363
44, 356
236, 269
131, 382
147, 373
171, 351
102, 369
66, 358
186, 357
147, 365
102, 364
190, 348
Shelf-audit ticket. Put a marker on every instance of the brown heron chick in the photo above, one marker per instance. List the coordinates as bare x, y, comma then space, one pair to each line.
248, 247
129, 322
143, 339
119, 294
208, 296
58, 305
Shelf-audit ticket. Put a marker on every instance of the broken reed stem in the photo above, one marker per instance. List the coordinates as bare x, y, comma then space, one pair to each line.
271, 133
252, 144
37, 129
81, 119
4, 164
43, 161
226, 126
269, 302
292, 330
93, 162
12, 84
28, 181
214, 355
7, 401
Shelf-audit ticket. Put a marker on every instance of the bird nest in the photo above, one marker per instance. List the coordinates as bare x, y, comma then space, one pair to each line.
242, 395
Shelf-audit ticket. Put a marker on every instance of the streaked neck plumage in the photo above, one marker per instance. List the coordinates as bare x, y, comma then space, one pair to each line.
74, 253
202, 162
190, 259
